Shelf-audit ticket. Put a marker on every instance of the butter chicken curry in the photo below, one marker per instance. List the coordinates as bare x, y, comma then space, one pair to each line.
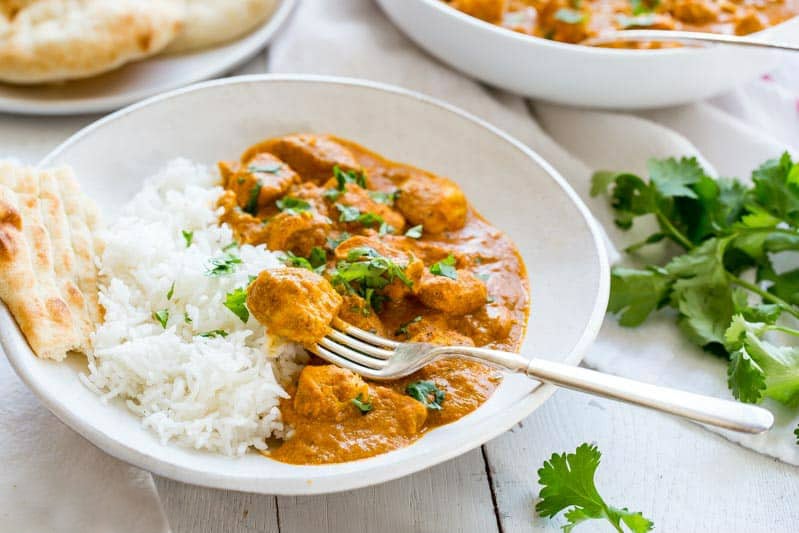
573, 21
386, 247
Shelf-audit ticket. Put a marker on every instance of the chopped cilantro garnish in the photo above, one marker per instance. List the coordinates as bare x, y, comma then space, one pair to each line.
292, 205
445, 267
363, 404
171, 291
415, 232
188, 236
638, 21
568, 481
365, 272
343, 177
162, 317
252, 200
230, 246
643, 6
236, 301
222, 266
381, 197
186, 318
569, 16
318, 257
353, 214
427, 393
385, 229
214, 333
272, 169
332, 194
403, 329
333, 242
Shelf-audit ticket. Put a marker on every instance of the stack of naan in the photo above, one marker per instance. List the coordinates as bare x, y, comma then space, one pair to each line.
48, 275
44, 41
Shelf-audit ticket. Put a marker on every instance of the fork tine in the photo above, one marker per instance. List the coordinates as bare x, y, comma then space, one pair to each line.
348, 353
364, 335
334, 358
363, 347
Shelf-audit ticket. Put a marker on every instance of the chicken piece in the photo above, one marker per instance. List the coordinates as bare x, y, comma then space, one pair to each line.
486, 324
297, 232
397, 412
458, 296
750, 22
311, 156
327, 391
411, 265
294, 303
356, 196
356, 311
429, 331
247, 229
488, 10
435, 202
258, 183
695, 11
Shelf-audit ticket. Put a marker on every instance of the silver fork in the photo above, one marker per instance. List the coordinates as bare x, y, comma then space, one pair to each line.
378, 358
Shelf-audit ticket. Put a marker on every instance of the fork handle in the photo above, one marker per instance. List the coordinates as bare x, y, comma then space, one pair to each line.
725, 414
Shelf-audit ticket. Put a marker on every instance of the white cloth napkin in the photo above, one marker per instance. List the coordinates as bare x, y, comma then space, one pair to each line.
358, 41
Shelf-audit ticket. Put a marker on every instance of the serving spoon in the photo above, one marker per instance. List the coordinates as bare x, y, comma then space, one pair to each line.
378, 358
686, 37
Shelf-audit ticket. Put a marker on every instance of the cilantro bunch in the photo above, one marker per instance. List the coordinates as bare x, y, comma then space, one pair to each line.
727, 279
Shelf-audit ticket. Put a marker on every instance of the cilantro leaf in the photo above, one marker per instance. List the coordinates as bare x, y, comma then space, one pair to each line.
162, 317
414, 232
381, 197
171, 291
365, 272
363, 404
445, 267
236, 301
634, 294
289, 204
353, 214
672, 177
271, 169
188, 236
570, 16
214, 333
403, 328
343, 177
318, 257
222, 266
427, 393
568, 484
252, 199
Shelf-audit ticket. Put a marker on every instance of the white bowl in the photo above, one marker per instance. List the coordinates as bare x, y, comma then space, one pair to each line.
508, 183
581, 75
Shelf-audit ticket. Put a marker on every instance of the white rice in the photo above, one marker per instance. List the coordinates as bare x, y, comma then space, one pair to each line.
219, 394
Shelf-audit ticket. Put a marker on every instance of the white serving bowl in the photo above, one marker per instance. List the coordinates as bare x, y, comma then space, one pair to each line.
581, 75
512, 186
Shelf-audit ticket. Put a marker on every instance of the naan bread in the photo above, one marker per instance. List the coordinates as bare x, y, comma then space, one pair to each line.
212, 22
53, 40
48, 277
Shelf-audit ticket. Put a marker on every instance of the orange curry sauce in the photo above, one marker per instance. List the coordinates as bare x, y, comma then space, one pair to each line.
573, 21
491, 310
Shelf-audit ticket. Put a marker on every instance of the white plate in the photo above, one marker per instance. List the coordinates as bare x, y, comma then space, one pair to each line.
136, 81
512, 186
581, 75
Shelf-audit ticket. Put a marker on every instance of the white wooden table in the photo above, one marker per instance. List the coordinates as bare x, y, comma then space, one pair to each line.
679, 475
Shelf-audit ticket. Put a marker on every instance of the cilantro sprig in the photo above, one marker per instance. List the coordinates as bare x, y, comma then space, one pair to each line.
723, 282
426, 392
445, 267
363, 404
568, 481
365, 272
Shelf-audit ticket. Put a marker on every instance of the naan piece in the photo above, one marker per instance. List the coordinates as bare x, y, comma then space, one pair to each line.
212, 22
53, 40
48, 277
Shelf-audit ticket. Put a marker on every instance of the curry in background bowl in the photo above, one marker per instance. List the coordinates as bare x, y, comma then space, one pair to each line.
389, 248
573, 21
